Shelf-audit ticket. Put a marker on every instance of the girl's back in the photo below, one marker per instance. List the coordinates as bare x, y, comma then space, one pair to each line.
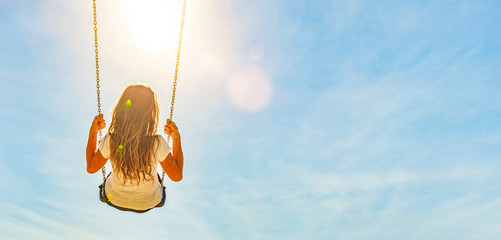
135, 149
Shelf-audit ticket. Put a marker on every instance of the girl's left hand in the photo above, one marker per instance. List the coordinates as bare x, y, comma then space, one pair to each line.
171, 129
98, 123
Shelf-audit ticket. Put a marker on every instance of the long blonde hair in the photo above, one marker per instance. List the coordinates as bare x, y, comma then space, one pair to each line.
133, 132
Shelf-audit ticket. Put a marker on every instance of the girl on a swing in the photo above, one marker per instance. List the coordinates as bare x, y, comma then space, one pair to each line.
134, 148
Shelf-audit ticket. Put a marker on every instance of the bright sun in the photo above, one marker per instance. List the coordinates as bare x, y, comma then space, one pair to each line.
155, 23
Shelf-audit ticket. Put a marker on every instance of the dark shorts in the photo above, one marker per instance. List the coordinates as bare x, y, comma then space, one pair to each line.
104, 198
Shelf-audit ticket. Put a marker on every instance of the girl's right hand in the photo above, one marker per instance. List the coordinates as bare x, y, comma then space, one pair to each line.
98, 123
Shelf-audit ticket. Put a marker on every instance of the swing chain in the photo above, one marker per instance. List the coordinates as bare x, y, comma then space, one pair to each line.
175, 74
177, 61
97, 58
103, 170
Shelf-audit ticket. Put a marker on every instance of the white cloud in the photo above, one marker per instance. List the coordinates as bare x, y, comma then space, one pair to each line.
21, 223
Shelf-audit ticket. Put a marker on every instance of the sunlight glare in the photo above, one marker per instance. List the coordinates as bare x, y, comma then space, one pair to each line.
207, 61
155, 23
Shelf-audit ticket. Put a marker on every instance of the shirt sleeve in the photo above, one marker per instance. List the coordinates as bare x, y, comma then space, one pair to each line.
163, 149
104, 146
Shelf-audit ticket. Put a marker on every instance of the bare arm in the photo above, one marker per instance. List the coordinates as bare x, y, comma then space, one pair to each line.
173, 163
95, 160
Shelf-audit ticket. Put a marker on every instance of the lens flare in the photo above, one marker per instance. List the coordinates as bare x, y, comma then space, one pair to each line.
256, 52
250, 89
120, 148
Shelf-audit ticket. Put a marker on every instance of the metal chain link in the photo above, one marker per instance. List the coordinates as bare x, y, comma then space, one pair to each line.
103, 170
175, 74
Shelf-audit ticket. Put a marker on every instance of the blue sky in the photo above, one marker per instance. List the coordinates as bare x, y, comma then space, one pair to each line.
299, 119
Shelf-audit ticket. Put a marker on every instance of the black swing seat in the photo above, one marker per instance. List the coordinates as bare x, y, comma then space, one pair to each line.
104, 199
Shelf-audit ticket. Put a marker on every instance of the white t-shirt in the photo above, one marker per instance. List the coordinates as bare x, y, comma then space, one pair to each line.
144, 196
